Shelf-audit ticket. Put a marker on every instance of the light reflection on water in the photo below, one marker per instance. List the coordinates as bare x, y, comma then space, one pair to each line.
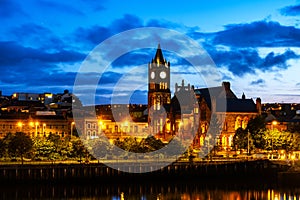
150, 191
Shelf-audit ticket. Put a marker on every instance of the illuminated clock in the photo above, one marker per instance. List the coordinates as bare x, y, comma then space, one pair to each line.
152, 75
163, 74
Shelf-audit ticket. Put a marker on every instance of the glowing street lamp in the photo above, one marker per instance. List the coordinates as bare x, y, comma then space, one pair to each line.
20, 125
72, 125
274, 123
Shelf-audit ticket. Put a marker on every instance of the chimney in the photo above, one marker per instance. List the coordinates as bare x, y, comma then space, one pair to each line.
258, 105
226, 85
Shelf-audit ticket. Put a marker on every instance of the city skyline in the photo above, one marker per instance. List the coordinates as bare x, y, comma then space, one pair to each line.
254, 44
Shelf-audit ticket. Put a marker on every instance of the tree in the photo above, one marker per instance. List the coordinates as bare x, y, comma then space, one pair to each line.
281, 140
4, 145
43, 148
240, 139
257, 127
99, 147
151, 144
20, 145
78, 149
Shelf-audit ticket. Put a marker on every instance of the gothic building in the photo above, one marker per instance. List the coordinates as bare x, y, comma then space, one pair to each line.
190, 110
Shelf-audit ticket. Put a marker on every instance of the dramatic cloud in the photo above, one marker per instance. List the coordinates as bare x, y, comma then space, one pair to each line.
12, 53
278, 60
37, 36
291, 10
134, 58
247, 61
97, 34
258, 34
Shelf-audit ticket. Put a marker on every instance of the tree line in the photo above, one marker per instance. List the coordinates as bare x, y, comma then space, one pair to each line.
55, 148
256, 137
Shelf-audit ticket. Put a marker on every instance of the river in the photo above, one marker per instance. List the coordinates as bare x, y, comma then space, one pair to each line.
198, 190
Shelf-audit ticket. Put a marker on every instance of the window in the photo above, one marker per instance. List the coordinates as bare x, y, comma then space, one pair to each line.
245, 122
238, 123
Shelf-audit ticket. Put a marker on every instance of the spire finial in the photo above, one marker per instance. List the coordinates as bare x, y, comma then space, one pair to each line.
243, 96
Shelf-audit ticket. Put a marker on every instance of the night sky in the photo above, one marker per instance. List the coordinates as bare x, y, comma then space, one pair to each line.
254, 44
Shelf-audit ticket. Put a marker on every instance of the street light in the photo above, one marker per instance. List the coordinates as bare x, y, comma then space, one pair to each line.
72, 124
20, 125
36, 125
44, 127
274, 123
248, 142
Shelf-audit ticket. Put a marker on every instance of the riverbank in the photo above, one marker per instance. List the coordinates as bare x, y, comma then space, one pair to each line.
94, 172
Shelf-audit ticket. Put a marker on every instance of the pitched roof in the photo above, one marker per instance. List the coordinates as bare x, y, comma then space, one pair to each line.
221, 94
240, 105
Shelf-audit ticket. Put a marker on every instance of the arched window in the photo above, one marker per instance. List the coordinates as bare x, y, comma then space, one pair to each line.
245, 122
238, 123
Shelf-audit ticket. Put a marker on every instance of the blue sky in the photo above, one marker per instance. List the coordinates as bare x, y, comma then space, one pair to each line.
254, 44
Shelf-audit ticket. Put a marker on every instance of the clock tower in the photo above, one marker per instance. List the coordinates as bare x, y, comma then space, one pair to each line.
159, 94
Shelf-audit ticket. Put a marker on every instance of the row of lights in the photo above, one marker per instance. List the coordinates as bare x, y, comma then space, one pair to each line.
36, 124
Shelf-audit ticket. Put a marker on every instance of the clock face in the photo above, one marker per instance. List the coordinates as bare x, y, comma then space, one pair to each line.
163, 74
152, 75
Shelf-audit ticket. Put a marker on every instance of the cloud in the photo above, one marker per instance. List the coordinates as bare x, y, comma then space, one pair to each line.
9, 8
95, 5
278, 60
12, 53
134, 58
61, 7
291, 10
110, 77
96, 34
238, 61
258, 82
37, 36
241, 61
258, 34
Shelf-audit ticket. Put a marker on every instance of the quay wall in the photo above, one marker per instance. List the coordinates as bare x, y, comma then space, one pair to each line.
175, 171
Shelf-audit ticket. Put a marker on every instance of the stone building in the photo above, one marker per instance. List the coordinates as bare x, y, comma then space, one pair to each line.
235, 113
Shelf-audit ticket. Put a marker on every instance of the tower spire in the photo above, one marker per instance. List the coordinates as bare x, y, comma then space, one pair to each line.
159, 58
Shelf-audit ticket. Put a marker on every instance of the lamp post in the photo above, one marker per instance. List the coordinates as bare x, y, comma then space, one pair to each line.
274, 123
72, 125
44, 127
36, 125
248, 143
